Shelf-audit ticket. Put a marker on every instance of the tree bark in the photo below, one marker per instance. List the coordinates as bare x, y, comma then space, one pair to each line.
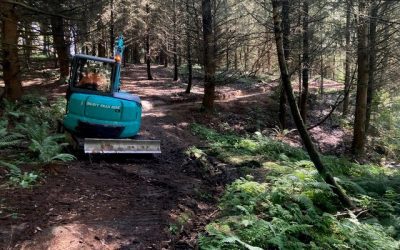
175, 43
359, 138
112, 36
347, 59
306, 63
161, 56
166, 58
227, 63
299, 65
236, 59
101, 49
189, 50
286, 47
94, 49
209, 56
60, 45
190, 68
11, 64
314, 156
372, 63
135, 54
321, 84
148, 56
246, 58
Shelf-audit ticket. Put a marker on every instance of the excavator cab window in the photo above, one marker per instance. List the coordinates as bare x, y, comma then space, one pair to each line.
93, 75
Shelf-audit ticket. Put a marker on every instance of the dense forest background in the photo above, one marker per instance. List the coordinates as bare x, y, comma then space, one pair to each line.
343, 41
327, 64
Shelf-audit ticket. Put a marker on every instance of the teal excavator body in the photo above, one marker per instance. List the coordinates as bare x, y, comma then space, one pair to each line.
107, 119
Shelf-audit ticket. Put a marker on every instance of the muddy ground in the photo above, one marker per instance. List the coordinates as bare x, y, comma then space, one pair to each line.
129, 202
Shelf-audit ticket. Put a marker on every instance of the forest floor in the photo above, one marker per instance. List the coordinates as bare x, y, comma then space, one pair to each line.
128, 202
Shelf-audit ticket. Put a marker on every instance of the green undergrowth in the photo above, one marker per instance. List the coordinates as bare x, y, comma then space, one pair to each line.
385, 125
290, 207
197, 71
29, 138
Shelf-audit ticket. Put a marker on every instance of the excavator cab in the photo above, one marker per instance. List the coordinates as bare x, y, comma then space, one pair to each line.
92, 73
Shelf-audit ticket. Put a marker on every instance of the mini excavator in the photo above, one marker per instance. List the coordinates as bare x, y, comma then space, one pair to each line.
100, 117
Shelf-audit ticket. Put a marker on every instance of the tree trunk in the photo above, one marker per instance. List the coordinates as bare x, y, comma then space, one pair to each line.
321, 84
334, 67
75, 40
286, 47
148, 56
314, 156
189, 50
245, 58
175, 43
11, 64
161, 56
190, 67
94, 49
372, 63
347, 60
135, 54
209, 56
236, 59
179, 58
227, 56
57, 28
101, 49
112, 36
299, 53
166, 58
306, 63
362, 81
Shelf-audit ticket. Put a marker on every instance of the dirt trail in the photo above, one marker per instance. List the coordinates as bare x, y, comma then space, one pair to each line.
113, 202
130, 202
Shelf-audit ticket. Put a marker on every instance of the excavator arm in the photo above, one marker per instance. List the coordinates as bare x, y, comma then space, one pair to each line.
118, 55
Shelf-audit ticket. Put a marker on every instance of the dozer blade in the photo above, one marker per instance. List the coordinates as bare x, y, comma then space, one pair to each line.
121, 146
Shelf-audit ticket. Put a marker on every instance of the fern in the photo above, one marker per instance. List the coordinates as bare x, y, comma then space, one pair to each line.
34, 99
63, 157
33, 130
289, 222
16, 177
9, 139
49, 149
12, 109
46, 145
14, 169
293, 208
25, 180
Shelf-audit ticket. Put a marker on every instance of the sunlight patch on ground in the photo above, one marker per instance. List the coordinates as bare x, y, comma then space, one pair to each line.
146, 105
183, 124
155, 114
34, 81
75, 236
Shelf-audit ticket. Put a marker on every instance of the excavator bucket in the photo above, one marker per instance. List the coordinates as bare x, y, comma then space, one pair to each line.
121, 146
